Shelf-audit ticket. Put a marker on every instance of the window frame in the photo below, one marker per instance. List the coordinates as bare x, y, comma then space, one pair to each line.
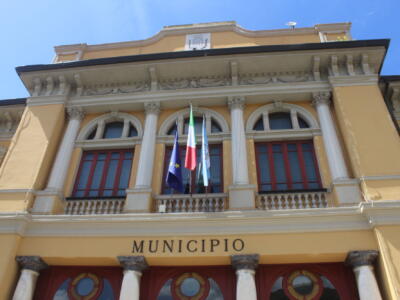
287, 169
105, 170
168, 148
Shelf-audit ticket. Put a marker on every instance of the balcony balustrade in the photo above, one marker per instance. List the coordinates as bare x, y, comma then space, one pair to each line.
191, 203
292, 200
94, 206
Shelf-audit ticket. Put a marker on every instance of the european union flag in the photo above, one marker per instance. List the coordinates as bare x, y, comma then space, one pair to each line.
174, 174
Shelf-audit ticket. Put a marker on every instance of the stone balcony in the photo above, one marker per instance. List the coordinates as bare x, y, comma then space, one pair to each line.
217, 202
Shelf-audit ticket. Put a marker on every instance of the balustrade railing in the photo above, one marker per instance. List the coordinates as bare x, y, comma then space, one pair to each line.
94, 206
295, 200
194, 203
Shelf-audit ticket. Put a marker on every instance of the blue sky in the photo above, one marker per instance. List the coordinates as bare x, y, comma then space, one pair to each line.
29, 29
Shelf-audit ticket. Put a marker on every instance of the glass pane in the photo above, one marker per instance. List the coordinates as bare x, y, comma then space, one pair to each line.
84, 175
215, 170
215, 127
259, 125
279, 166
277, 292
329, 293
165, 292
112, 169
125, 174
198, 122
309, 164
98, 173
280, 120
295, 169
264, 168
132, 131
92, 134
172, 130
113, 130
62, 291
215, 291
302, 123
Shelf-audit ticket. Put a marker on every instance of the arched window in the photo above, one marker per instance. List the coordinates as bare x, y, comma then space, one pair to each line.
108, 143
216, 127
285, 155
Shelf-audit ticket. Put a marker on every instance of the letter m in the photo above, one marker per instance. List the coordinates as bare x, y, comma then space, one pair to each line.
137, 247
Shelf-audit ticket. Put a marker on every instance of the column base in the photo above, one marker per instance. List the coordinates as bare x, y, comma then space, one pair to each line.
138, 200
242, 196
346, 192
48, 202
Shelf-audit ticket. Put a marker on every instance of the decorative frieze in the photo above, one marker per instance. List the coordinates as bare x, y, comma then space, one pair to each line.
274, 77
100, 90
9, 120
202, 82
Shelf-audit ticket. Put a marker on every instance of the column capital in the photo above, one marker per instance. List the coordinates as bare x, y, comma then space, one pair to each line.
34, 263
361, 258
236, 102
75, 113
152, 108
321, 98
245, 261
133, 263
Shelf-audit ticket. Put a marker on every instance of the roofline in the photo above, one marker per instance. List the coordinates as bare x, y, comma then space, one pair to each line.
389, 78
203, 53
16, 101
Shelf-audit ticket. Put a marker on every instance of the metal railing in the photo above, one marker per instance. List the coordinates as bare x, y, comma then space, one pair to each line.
94, 206
191, 203
292, 200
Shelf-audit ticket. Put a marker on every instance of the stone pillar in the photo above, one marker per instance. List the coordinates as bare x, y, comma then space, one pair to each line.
133, 268
138, 198
30, 268
245, 266
49, 200
241, 193
347, 190
362, 263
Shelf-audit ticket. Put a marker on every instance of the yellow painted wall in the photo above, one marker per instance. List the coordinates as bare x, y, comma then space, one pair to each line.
8, 266
158, 169
273, 248
370, 138
31, 153
177, 43
388, 239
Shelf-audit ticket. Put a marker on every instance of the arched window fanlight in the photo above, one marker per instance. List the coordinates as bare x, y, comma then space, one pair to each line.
280, 120
111, 126
285, 118
198, 123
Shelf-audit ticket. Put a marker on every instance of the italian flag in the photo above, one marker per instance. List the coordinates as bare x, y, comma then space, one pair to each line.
190, 159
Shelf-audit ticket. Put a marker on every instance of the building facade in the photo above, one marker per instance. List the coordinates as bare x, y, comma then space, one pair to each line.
304, 194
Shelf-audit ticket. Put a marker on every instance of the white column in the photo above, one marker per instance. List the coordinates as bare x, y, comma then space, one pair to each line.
133, 268
334, 151
239, 153
30, 268
362, 263
63, 158
245, 266
147, 150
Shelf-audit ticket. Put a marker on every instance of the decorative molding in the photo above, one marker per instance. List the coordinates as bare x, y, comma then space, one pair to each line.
381, 177
279, 135
75, 113
107, 89
51, 85
10, 118
122, 143
274, 77
34, 263
152, 108
245, 261
202, 82
236, 102
354, 80
321, 98
361, 258
133, 263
